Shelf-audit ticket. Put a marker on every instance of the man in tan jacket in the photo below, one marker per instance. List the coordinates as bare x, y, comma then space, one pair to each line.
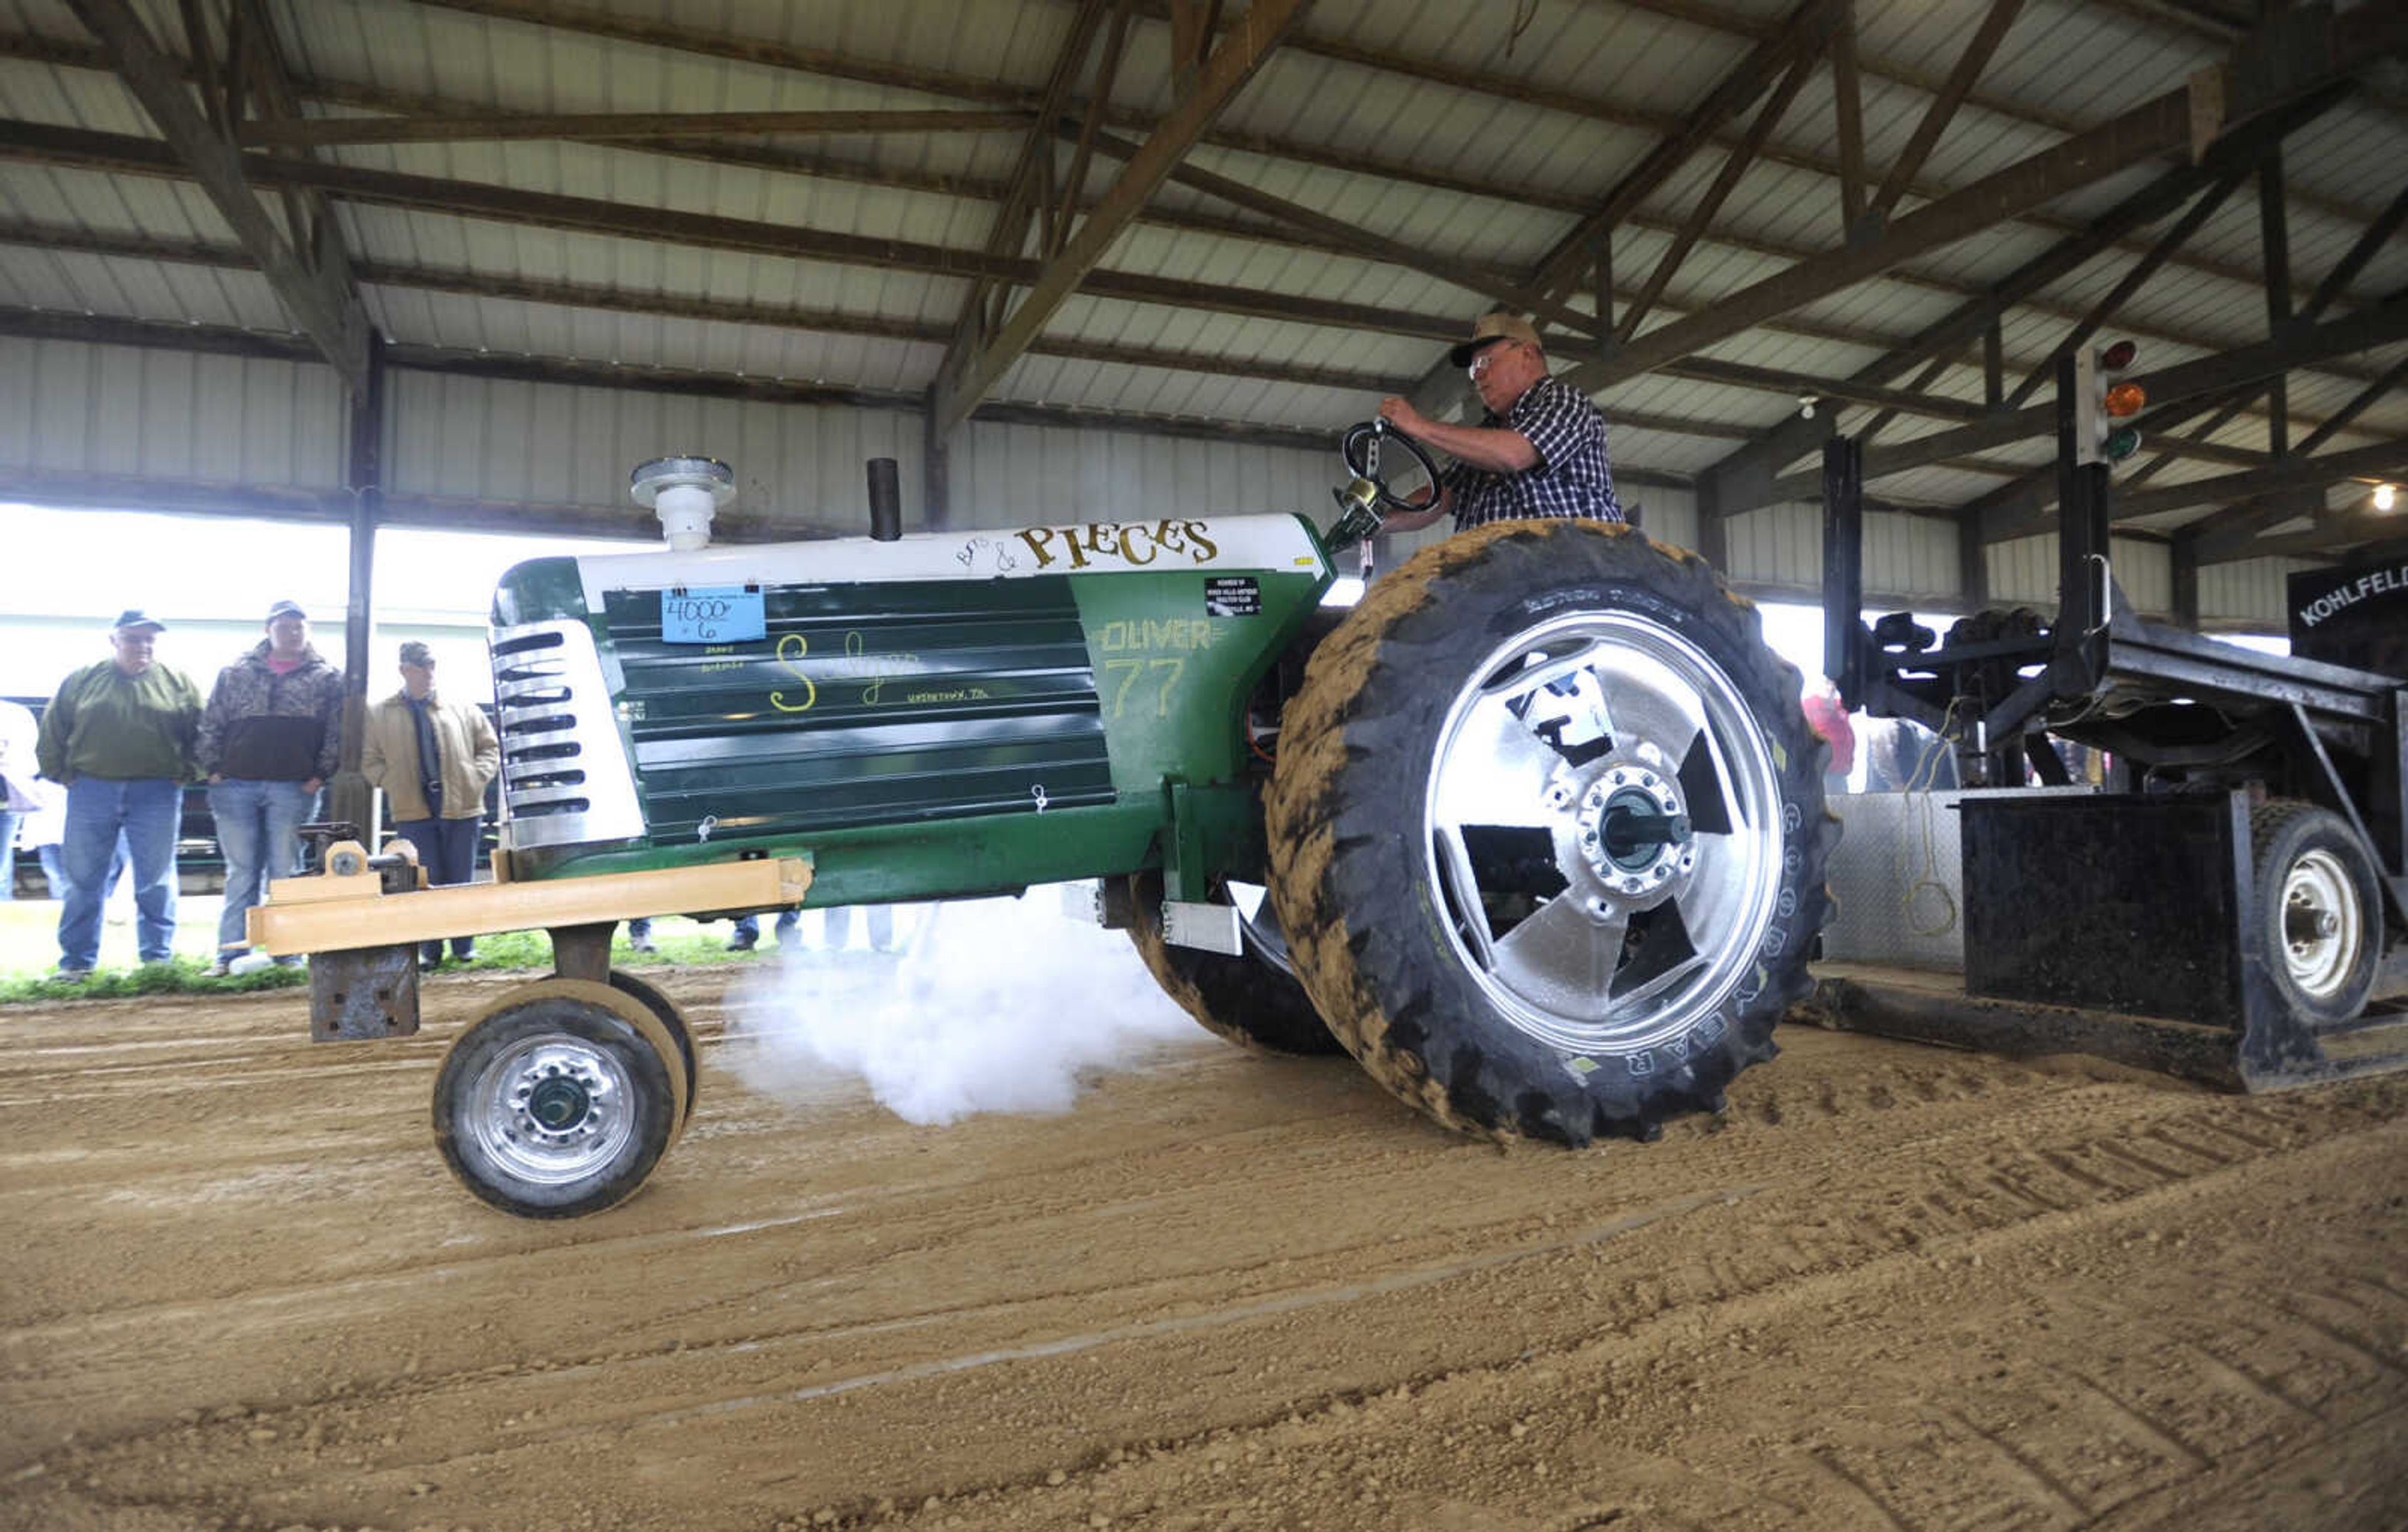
433, 759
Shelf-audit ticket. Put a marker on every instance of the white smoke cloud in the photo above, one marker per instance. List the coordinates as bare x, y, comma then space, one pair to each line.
989, 1005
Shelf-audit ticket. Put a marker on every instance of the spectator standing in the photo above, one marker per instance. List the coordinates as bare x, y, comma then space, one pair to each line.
747, 933
268, 742
44, 833
1828, 717
19, 795
120, 736
433, 759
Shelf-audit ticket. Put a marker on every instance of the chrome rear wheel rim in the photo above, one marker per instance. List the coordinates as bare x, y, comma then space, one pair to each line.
1605, 827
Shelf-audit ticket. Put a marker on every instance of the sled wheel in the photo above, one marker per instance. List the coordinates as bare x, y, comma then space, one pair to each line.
1247, 999
652, 1000
1547, 831
559, 1101
2318, 901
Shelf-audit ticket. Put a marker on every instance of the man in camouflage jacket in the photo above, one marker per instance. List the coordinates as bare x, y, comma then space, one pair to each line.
268, 742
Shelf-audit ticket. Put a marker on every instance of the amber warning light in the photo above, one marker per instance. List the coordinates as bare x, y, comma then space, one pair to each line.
2104, 400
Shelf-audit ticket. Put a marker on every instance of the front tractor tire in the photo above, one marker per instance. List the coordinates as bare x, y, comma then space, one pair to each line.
1547, 833
560, 1100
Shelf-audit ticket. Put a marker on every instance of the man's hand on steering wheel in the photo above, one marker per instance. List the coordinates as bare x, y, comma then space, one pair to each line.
1399, 412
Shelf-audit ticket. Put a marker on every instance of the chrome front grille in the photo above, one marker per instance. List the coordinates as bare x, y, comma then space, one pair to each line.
565, 780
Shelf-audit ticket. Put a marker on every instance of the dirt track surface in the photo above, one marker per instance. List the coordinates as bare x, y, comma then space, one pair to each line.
1895, 1289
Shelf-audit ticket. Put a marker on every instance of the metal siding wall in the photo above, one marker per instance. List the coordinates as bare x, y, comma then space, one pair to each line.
2252, 594
2146, 572
1016, 474
2024, 573
1911, 558
1780, 545
70, 406
1668, 516
480, 439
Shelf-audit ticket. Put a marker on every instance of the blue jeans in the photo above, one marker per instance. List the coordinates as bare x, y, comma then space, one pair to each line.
446, 849
145, 812
9, 854
257, 821
749, 927
54, 867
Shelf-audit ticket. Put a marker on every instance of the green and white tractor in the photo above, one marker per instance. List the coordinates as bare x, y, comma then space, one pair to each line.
1534, 829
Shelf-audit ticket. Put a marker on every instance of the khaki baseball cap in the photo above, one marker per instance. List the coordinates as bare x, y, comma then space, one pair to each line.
1490, 328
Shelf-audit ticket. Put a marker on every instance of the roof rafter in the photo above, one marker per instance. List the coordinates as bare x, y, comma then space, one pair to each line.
596, 22
1969, 64
321, 131
310, 282
477, 199
961, 385
75, 55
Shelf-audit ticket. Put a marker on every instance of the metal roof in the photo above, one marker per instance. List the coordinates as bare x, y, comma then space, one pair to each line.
1398, 142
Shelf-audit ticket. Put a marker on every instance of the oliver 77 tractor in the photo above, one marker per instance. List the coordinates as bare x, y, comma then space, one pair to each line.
1539, 819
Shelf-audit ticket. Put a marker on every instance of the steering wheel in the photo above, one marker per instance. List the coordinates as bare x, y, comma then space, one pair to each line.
1361, 448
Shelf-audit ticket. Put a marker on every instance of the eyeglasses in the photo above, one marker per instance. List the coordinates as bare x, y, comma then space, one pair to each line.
1480, 362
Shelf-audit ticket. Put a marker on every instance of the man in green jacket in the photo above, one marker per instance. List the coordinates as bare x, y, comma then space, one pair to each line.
120, 736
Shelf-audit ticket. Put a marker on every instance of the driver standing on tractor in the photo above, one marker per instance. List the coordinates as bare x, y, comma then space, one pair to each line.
1539, 451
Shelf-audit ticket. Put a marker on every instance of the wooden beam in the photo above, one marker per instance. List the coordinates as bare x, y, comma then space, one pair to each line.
2200, 210
1734, 166
1848, 111
319, 131
1074, 181
594, 22
1232, 64
1028, 197
2157, 127
1489, 281
2274, 244
330, 317
1745, 478
1802, 32
78, 55
1942, 110
2238, 526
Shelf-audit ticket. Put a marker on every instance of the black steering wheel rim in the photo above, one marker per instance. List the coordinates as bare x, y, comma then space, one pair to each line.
1353, 451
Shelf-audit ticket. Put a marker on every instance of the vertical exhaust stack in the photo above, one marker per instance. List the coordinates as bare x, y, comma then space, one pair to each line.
885, 501
684, 492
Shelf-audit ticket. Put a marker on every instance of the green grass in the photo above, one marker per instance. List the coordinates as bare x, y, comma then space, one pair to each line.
29, 954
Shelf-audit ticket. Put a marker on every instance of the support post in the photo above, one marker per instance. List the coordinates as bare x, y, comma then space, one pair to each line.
2185, 569
349, 798
1844, 567
2273, 229
936, 477
2084, 595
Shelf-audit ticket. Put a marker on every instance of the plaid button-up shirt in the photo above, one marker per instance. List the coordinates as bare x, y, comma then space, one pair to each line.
1571, 476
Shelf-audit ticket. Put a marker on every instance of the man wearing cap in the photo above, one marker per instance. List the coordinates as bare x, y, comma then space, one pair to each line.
433, 759
120, 736
269, 740
1539, 451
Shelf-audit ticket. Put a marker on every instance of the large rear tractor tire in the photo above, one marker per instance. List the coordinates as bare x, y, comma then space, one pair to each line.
1245, 999
1547, 833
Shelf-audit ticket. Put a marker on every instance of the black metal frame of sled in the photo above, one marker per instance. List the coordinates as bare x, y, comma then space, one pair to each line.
1993, 697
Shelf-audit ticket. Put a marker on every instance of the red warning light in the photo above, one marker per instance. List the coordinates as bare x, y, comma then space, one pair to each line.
2118, 356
